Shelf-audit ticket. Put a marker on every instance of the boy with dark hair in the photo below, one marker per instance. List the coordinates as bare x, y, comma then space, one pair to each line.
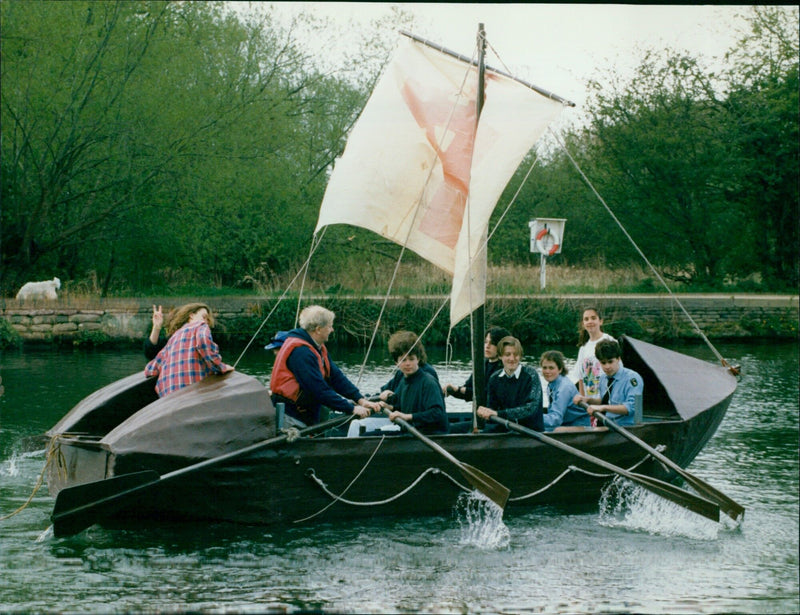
619, 386
418, 398
401, 342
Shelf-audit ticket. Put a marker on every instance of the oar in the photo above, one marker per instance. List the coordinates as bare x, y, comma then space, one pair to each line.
726, 504
482, 482
668, 491
81, 506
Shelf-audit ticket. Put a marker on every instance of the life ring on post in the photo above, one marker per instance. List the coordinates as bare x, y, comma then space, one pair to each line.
547, 242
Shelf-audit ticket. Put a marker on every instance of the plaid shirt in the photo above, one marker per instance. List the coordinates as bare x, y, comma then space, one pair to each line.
190, 355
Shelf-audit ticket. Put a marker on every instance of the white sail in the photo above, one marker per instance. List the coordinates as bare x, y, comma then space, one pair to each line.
419, 170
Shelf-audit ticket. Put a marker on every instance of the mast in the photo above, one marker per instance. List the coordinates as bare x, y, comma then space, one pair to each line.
477, 318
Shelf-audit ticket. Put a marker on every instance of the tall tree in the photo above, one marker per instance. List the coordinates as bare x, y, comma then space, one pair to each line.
763, 106
154, 137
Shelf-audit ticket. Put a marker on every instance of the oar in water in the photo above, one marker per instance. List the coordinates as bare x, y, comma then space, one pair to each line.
668, 491
482, 482
726, 504
81, 506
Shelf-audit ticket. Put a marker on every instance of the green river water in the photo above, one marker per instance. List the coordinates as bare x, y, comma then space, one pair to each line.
653, 557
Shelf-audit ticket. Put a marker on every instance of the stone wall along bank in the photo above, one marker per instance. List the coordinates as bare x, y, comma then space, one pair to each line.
718, 316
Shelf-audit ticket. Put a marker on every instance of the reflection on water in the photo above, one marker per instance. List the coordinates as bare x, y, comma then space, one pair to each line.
643, 556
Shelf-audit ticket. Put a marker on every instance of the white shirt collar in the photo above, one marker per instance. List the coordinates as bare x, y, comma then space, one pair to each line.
516, 373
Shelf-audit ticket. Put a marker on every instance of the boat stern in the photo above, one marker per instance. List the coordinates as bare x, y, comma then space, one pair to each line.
73, 460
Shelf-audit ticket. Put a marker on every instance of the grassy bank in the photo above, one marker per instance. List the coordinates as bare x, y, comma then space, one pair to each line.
417, 277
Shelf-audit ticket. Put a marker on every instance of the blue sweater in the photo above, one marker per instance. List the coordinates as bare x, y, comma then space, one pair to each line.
517, 399
561, 410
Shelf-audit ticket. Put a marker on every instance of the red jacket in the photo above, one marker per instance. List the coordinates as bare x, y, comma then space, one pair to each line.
283, 381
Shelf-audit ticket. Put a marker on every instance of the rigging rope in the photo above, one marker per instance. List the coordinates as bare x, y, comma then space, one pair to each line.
304, 267
733, 369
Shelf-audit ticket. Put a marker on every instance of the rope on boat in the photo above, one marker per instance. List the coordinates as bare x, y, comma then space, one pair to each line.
310, 473
659, 448
292, 434
53, 452
339, 498
735, 370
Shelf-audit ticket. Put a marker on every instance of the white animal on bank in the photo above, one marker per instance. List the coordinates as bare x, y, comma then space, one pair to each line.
39, 290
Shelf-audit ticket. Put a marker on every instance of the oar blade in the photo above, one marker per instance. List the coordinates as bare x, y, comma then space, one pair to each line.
690, 501
481, 481
81, 506
730, 507
675, 494
484, 483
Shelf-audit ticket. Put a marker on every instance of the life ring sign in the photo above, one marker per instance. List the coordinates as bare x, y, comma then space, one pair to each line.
547, 242
547, 235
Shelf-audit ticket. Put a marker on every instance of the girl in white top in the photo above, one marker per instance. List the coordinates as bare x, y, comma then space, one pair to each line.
586, 371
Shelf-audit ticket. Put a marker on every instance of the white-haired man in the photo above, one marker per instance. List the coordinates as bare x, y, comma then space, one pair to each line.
305, 379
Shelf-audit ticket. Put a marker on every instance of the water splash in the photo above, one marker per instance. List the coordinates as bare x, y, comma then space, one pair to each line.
11, 466
481, 522
46, 534
624, 504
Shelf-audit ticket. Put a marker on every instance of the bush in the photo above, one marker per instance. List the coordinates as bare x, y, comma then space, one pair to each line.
9, 338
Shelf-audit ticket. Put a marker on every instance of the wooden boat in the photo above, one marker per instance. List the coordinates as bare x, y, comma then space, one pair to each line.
123, 428
216, 450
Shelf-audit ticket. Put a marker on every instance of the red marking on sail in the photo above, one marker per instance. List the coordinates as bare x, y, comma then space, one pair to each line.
451, 133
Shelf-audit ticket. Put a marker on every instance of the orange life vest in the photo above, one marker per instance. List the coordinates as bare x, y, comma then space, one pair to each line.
283, 381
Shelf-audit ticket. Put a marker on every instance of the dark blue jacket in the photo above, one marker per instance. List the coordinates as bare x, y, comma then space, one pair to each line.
397, 378
337, 393
421, 396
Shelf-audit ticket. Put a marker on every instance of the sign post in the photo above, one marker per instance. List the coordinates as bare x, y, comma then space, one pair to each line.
547, 237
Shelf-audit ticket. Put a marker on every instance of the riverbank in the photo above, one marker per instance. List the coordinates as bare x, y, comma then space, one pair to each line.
535, 319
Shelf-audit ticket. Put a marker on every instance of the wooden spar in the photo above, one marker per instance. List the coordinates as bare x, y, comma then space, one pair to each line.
464, 58
478, 316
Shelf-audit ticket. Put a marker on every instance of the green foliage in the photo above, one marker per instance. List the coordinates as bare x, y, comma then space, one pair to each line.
183, 140
763, 102
152, 146
91, 339
772, 326
9, 338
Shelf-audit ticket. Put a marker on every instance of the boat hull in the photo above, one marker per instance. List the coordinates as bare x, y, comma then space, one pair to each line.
325, 478
333, 478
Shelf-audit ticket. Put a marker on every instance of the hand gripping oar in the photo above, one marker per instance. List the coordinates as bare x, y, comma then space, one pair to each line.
726, 504
482, 482
670, 492
81, 506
